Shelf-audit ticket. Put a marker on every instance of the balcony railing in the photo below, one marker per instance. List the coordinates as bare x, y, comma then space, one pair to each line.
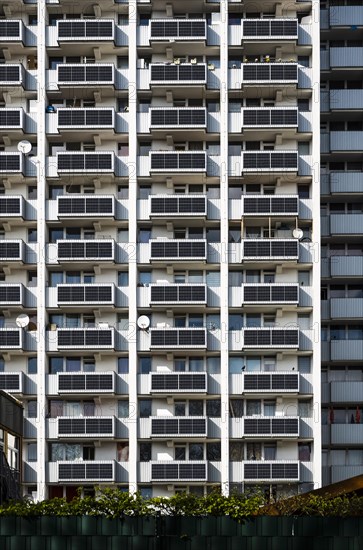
11, 30
183, 73
10, 338
82, 74
178, 205
11, 119
94, 206
179, 426
270, 161
269, 73
260, 382
271, 426
272, 337
181, 382
257, 29
179, 471
86, 471
90, 294
270, 205
178, 294
11, 162
85, 338
184, 337
78, 30
179, 29
181, 117
91, 117
269, 117
11, 294
102, 427
82, 382
11, 382
12, 250
183, 249
272, 293
272, 471
178, 161
11, 74
90, 162
85, 250
270, 249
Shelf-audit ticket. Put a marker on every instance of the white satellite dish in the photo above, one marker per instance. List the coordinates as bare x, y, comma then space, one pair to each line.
22, 320
298, 233
24, 146
143, 322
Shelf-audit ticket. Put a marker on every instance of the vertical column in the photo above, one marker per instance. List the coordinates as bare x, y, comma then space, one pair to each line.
42, 231
132, 245
224, 247
316, 237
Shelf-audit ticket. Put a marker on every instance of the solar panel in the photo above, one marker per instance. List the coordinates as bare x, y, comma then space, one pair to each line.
9, 338
10, 73
10, 117
178, 426
85, 73
9, 250
9, 382
10, 29
183, 72
10, 205
10, 293
10, 163
89, 382
176, 381
88, 426
91, 338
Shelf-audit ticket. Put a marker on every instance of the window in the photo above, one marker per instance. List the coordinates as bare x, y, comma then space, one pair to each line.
32, 365
196, 451
213, 409
270, 451
145, 452
236, 408
213, 365
214, 451
144, 278
123, 278
145, 408
32, 235
253, 407
73, 364
145, 365
32, 409
32, 279
55, 365
180, 452
123, 365
32, 452
123, 409
236, 451
195, 407
55, 278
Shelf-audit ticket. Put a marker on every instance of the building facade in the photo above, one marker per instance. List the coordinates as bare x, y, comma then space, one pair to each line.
341, 232
160, 274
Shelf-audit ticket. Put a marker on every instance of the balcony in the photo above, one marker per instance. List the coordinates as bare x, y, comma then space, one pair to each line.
186, 470
177, 250
270, 382
345, 392
11, 382
180, 382
178, 118
342, 100
11, 119
84, 119
181, 294
86, 163
166, 206
12, 207
85, 206
269, 117
344, 57
346, 266
85, 250
342, 224
12, 74
85, 383
270, 205
86, 294
11, 294
346, 350
86, 427
86, 338
270, 249
178, 29
183, 73
269, 73
285, 426
346, 16
346, 434
178, 426
270, 161
178, 161
11, 162
11, 338
272, 293
78, 30
343, 182
346, 308
269, 29
82, 74
273, 337
12, 250
178, 338
11, 30
85, 471
271, 471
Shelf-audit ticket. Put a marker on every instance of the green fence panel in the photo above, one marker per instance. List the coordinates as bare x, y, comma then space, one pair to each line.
17, 542
8, 526
120, 542
227, 527
58, 542
79, 542
69, 525
208, 526
129, 526
49, 526
89, 525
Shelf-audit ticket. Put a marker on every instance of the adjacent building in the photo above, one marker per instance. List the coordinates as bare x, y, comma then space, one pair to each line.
160, 243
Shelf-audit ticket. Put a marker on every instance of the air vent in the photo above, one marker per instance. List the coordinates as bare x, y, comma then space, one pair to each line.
11, 118
166, 29
185, 73
178, 471
271, 337
269, 72
86, 427
86, 338
176, 426
178, 337
183, 161
180, 382
271, 205
87, 118
176, 118
85, 74
10, 338
11, 206
261, 249
179, 250
176, 205
270, 160
81, 294
89, 383
270, 117
10, 382
10, 74
72, 31
284, 382
70, 206
86, 471
10, 162
278, 28
85, 250
10, 30
270, 293
271, 426
85, 162
10, 294
271, 471
178, 294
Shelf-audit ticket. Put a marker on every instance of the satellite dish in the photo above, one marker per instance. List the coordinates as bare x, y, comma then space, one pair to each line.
22, 320
24, 146
298, 233
143, 322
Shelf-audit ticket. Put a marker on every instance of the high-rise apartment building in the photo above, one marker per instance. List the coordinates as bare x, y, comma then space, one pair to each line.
342, 238
160, 232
